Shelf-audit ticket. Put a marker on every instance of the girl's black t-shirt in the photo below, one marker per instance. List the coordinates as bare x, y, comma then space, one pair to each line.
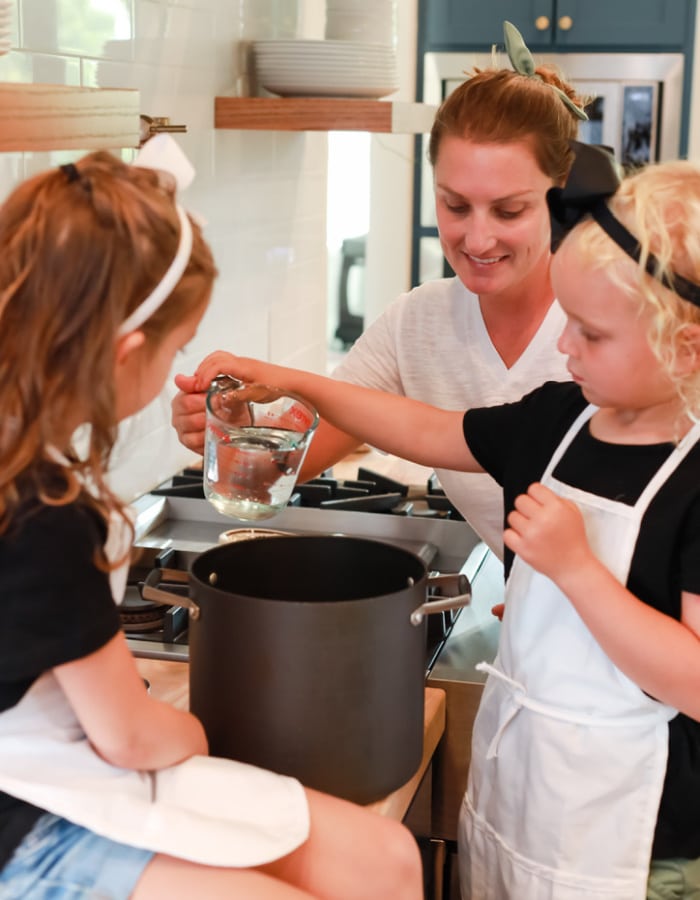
514, 443
56, 606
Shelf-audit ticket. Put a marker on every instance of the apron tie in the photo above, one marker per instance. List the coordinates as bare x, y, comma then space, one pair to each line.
515, 703
518, 698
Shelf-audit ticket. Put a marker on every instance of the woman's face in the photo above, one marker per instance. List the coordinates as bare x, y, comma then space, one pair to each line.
492, 213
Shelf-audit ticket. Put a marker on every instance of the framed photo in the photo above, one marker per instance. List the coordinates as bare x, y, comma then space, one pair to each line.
623, 115
639, 124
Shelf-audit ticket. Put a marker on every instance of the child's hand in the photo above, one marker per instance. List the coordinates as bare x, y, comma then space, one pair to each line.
547, 532
248, 370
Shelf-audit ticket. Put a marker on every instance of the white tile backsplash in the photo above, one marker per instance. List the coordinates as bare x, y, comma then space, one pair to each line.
263, 194
59, 27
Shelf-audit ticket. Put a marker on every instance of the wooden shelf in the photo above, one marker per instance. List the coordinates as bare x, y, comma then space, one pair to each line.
64, 117
322, 114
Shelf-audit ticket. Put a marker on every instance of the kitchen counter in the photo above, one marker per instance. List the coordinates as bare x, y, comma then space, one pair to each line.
170, 682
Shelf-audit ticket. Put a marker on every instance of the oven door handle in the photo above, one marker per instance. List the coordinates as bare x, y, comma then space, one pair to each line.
157, 595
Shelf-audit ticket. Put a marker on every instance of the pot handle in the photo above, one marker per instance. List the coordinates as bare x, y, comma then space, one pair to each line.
458, 582
151, 592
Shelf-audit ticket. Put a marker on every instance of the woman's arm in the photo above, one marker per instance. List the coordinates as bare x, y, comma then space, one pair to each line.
127, 726
658, 653
407, 428
328, 447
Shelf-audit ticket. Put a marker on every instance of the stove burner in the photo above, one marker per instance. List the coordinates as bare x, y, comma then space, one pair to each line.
137, 615
369, 492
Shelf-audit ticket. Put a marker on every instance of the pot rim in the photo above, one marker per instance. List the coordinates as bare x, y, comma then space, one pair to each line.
414, 580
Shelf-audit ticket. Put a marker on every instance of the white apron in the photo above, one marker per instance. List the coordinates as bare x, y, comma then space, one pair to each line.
568, 754
212, 811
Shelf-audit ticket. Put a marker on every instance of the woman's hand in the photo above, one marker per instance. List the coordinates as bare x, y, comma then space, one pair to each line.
548, 533
188, 413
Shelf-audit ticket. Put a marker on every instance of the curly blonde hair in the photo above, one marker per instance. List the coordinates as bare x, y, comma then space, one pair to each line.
660, 206
80, 248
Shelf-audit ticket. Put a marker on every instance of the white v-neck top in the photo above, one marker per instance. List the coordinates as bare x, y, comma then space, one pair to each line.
432, 344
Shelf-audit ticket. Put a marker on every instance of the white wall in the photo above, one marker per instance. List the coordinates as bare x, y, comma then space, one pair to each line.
694, 129
262, 193
385, 213
388, 267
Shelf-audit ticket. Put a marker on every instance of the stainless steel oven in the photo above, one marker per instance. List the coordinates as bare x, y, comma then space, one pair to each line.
635, 108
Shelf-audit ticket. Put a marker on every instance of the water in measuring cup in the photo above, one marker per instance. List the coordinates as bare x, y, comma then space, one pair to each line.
250, 474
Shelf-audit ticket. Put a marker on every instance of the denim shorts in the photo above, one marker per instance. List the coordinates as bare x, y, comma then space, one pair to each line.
58, 860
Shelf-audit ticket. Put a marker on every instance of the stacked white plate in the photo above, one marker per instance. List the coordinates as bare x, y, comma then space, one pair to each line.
5, 25
316, 68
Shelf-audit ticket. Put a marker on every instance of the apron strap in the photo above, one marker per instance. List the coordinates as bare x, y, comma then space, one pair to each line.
518, 698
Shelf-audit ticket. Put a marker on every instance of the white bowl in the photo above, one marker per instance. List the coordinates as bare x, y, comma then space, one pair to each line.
332, 64
326, 87
335, 85
304, 46
282, 69
325, 69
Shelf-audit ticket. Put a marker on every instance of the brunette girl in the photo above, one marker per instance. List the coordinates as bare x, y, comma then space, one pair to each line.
104, 791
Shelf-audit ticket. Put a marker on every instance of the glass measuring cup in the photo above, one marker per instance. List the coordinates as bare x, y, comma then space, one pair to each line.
256, 439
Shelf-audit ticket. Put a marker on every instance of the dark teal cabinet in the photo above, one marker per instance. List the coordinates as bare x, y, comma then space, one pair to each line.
560, 24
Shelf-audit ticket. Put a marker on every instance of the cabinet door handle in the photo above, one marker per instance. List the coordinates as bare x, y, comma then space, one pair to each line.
566, 23
541, 23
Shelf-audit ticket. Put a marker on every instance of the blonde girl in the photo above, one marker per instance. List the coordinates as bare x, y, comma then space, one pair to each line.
585, 767
104, 791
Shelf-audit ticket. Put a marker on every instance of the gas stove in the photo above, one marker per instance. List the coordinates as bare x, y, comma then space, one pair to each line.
174, 524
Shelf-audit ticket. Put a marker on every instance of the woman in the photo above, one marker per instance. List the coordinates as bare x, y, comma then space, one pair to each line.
488, 335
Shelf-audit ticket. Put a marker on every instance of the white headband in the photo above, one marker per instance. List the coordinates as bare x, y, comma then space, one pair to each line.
165, 286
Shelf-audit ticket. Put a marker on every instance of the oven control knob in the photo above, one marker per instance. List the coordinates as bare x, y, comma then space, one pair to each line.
541, 23
566, 23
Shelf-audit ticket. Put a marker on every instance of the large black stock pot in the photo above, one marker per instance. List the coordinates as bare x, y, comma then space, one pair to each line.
307, 657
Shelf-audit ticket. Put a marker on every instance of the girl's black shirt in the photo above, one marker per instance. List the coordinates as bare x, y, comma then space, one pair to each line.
56, 606
514, 443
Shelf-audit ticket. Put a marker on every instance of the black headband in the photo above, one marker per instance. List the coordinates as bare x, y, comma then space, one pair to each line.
593, 178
